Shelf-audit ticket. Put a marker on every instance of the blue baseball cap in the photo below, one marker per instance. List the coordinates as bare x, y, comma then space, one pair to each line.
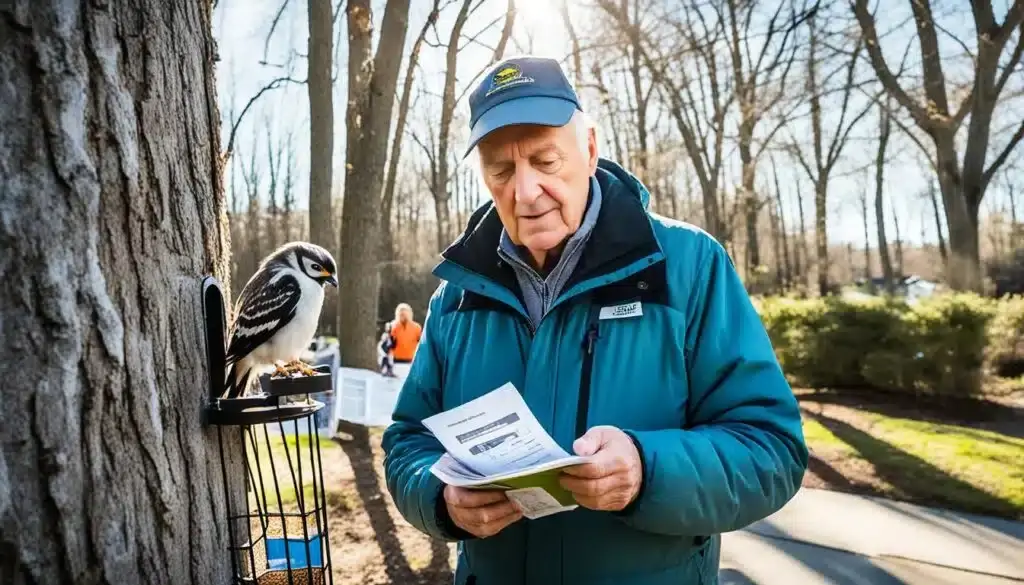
521, 90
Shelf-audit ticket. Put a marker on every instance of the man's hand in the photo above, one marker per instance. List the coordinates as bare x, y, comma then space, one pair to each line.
612, 479
482, 513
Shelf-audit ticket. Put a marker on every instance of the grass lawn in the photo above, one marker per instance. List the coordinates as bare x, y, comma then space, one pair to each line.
935, 463
281, 450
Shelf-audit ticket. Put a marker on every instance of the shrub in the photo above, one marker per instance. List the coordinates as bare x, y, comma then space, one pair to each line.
937, 345
1006, 338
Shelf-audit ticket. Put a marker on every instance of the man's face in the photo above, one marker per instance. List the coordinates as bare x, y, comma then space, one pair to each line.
539, 181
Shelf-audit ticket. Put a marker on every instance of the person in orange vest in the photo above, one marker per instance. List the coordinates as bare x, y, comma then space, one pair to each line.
404, 335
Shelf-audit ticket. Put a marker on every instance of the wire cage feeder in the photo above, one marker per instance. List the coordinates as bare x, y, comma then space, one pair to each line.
280, 537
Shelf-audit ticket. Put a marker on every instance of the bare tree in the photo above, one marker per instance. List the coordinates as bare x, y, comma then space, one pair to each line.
111, 211
641, 92
937, 216
442, 157
252, 174
759, 85
1016, 228
900, 274
884, 131
787, 268
683, 73
320, 88
867, 234
962, 180
387, 201
321, 122
609, 105
574, 40
372, 80
288, 188
275, 154
821, 161
800, 250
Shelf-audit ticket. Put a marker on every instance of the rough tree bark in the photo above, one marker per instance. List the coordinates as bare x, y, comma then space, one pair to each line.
111, 211
962, 180
372, 80
321, 137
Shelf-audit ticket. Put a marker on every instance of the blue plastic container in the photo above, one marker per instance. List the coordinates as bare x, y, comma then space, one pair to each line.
278, 559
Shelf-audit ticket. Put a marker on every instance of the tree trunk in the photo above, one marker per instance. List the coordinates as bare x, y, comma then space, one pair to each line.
962, 188
440, 186
574, 40
636, 78
800, 249
883, 244
787, 269
111, 212
821, 235
775, 230
371, 87
867, 238
884, 131
751, 205
1015, 229
899, 247
321, 138
938, 226
387, 201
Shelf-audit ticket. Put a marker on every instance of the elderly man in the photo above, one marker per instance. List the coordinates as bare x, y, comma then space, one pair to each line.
630, 337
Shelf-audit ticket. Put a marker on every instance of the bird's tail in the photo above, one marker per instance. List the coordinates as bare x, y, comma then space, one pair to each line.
237, 379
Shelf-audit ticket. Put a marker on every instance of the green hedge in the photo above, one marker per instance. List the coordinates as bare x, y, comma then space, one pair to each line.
945, 345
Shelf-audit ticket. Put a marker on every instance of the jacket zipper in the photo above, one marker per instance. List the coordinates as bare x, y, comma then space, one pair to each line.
583, 408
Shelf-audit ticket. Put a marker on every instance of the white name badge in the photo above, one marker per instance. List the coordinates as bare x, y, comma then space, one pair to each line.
626, 311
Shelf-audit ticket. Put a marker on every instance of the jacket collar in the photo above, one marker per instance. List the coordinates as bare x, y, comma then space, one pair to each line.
622, 234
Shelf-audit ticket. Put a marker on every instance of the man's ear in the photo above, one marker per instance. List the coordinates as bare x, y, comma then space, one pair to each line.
592, 153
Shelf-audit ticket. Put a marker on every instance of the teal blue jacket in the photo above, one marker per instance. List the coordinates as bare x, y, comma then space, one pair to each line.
693, 379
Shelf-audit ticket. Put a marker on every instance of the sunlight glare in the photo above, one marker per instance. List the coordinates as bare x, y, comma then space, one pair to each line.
541, 20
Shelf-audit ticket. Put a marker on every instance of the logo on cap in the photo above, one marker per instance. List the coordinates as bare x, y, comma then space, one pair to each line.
508, 76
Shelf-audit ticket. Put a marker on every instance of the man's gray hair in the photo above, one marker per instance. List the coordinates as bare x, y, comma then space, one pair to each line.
581, 122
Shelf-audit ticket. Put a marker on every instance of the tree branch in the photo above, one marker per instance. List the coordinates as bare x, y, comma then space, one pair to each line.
273, 27
885, 74
268, 87
998, 162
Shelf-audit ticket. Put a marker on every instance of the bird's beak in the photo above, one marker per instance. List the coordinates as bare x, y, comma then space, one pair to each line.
333, 281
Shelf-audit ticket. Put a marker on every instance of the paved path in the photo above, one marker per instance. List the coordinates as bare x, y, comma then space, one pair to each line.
830, 538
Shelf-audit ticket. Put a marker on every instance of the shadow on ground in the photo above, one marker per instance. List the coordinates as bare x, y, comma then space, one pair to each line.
911, 477
360, 455
1003, 418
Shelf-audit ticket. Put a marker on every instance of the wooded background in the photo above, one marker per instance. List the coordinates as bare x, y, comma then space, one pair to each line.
770, 124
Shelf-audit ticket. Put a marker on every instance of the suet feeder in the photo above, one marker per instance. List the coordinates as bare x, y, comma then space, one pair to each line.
280, 537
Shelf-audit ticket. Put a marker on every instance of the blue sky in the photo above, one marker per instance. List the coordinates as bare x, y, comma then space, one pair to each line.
241, 27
